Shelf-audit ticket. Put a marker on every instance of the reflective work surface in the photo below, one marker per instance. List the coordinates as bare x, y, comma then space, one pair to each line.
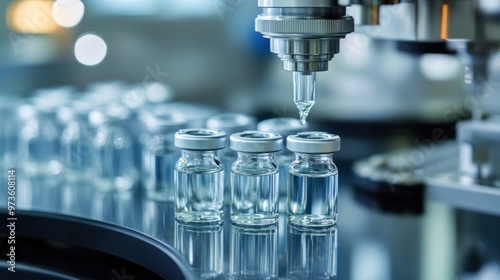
224, 251
234, 252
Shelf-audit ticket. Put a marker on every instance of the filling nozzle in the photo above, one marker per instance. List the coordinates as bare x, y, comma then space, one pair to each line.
304, 91
305, 35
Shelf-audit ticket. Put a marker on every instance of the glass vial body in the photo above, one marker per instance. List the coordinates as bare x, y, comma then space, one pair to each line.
159, 153
8, 133
229, 123
199, 176
76, 141
112, 155
284, 127
254, 178
312, 181
38, 140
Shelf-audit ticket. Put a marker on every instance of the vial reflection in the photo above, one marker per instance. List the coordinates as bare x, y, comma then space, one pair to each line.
202, 246
253, 252
312, 253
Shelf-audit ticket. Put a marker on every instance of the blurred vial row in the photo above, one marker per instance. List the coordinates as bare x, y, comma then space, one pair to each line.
104, 136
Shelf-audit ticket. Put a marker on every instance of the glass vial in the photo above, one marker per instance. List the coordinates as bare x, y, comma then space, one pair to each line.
312, 253
8, 133
229, 123
159, 153
8, 142
312, 181
253, 252
284, 127
76, 141
76, 152
112, 155
254, 178
202, 246
39, 149
38, 140
199, 176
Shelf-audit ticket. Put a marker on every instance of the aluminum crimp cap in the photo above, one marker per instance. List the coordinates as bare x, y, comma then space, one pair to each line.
158, 119
253, 141
200, 139
113, 113
283, 126
231, 123
313, 142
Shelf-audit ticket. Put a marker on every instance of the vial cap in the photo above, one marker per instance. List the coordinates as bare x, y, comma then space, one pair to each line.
30, 108
75, 110
256, 142
158, 92
200, 139
231, 123
158, 118
196, 115
114, 113
282, 126
55, 94
313, 142
104, 93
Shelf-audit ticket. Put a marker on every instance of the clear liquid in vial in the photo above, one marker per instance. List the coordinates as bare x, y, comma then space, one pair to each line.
158, 174
254, 199
113, 169
200, 197
312, 201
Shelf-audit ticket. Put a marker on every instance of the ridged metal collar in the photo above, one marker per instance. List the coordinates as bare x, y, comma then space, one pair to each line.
114, 113
231, 123
314, 142
297, 3
282, 126
200, 139
158, 119
256, 142
276, 25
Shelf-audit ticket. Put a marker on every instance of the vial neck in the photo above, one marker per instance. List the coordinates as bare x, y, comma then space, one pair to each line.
259, 164
325, 158
255, 156
199, 154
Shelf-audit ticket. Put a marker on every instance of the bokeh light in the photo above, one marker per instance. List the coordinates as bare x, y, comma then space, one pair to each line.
32, 16
90, 49
439, 67
68, 13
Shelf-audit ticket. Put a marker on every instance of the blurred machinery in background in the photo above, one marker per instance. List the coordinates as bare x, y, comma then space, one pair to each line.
306, 34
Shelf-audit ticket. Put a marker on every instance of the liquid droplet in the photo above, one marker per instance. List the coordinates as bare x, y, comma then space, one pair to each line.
304, 108
302, 120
